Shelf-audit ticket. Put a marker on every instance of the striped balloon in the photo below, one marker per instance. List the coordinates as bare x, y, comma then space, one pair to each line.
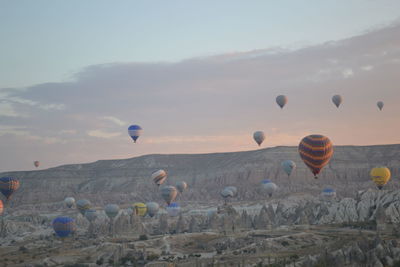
8, 186
159, 177
135, 131
316, 151
64, 226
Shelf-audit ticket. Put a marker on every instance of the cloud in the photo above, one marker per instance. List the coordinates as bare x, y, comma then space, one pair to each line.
115, 120
347, 73
103, 134
367, 68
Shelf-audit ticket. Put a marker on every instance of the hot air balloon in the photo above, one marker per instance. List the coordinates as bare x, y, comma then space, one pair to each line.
316, 151
337, 100
91, 215
159, 177
139, 209
83, 205
36, 163
152, 208
328, 193
1, 207
169, 193
380, 176
135, 131
64, 226
69, 201
269, 187
380, 105
281, 100
173, 209
233, 189
227, 193
8, 186
181, 186
111, 210
288, 166
259, 137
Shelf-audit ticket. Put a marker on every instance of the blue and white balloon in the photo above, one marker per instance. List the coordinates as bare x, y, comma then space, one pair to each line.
135, 131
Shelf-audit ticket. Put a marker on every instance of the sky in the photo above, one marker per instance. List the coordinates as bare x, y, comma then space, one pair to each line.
199, 77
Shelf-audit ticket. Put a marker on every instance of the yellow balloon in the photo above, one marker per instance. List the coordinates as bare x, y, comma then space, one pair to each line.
380, 176
139, 208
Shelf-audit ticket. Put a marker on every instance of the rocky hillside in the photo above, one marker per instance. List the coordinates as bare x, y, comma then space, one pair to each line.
127, 180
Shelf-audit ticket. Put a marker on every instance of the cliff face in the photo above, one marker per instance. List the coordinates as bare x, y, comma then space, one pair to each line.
121, 181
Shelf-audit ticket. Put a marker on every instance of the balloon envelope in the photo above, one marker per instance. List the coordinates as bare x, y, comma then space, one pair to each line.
169, 193
233, 189
281, 100
111, 210
69, 201
36, 163
83, 205
64, 226
259, 137
380, 105
380, 176
328, 193
337, 100
159, 177
173, 209
139, 209
226, 192
8, 186
152, 208
135, 131
1, 207
316, 151
288, 166
181, 186
269, 187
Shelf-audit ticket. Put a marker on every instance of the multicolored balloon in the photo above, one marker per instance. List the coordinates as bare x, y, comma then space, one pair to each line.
8, 186
337, 100
169, 193
380, 176
69, 201
139, 209
159, 177
64, 226
111, 210
281, 100
135, 131
1, 207
328, 193
380, 105
152, 208
181, 186
288, 166
316, 151
269, 187
259, 137
83, 205
36, 163
173, 209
